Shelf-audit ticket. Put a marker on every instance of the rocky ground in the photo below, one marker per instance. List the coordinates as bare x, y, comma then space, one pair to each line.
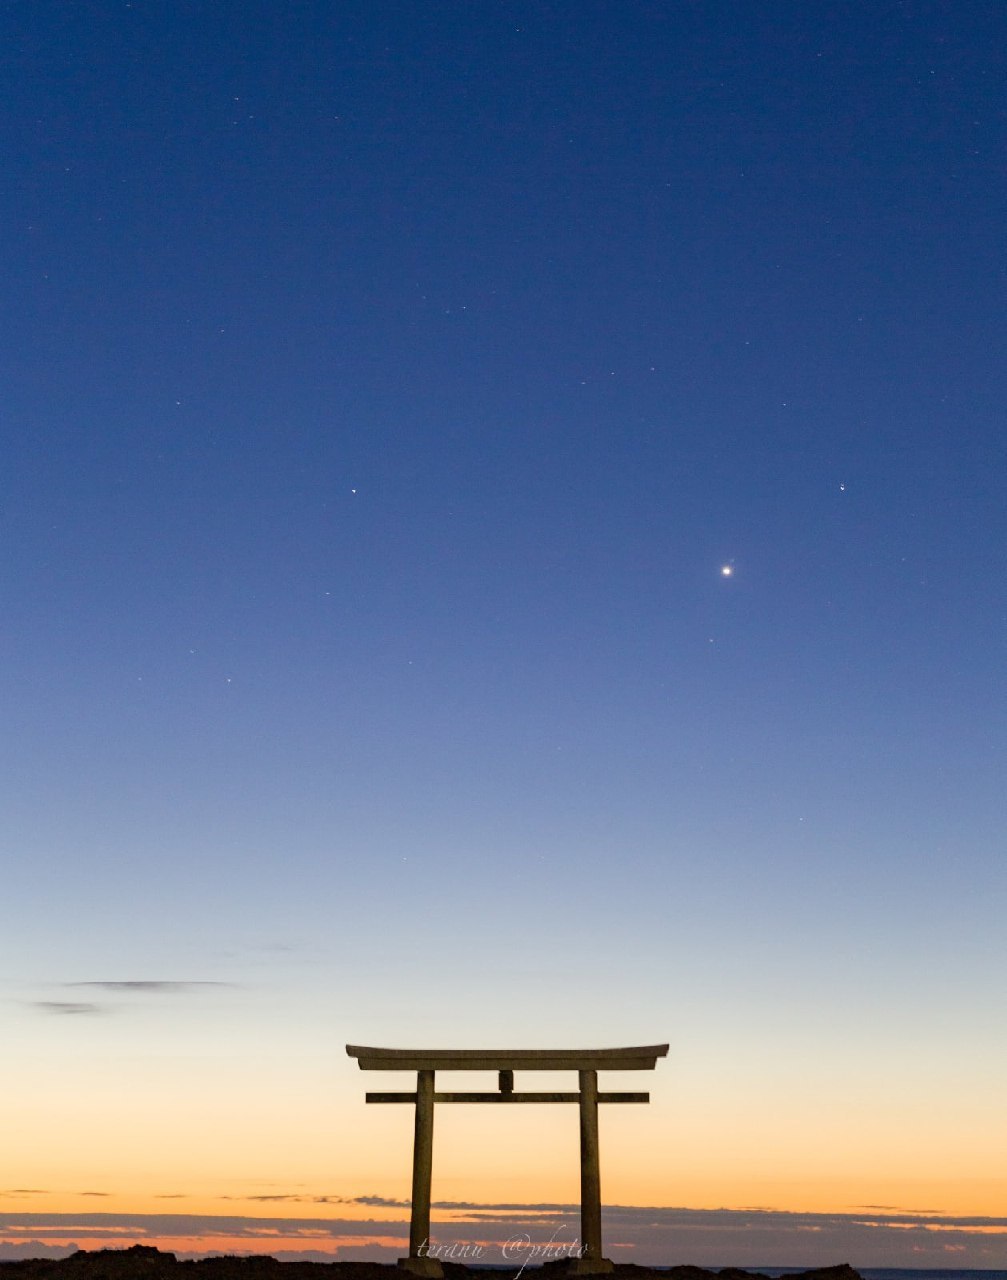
141, 1262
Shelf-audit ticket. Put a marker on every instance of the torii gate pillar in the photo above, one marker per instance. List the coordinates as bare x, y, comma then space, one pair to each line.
586, 1062
423, 1163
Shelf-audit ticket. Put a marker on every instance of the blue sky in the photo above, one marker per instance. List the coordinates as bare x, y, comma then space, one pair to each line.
385, 388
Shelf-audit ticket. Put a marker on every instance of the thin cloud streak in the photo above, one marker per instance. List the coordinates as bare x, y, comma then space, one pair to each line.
149, 986
655, 1235
895, 1208
68, 1008
292, 1198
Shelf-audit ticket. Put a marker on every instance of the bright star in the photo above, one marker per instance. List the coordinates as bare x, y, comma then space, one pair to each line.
726, 570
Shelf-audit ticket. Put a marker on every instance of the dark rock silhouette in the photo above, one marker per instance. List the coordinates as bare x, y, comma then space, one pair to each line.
143, 1262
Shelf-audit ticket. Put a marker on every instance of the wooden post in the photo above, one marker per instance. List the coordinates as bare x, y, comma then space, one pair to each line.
419, 1260
590, 1167
590, 1180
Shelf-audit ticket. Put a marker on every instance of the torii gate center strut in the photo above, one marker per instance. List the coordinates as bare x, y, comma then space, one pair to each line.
586, 1062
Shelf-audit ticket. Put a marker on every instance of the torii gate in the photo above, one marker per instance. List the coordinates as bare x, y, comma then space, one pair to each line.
586, 1062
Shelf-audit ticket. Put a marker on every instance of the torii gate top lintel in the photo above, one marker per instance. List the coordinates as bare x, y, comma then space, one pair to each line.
636, 1058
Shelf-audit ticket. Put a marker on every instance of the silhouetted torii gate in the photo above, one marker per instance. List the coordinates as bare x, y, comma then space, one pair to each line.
586, 1062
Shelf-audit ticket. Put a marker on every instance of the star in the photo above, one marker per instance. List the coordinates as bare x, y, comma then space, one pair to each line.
726, 570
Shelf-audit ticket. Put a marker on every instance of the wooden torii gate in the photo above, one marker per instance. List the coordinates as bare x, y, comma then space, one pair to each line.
586, 1062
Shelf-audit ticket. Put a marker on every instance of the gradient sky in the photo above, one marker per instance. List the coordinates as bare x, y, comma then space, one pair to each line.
385, 388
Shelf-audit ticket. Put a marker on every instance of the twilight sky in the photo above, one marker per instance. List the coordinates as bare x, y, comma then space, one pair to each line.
385, 388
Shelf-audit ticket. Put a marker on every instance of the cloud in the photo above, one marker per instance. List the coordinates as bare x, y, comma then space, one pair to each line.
654, 1235
288, 1197
380, 1202
165, 1226
20, 1250
69, 1008
502, 1208
148, 986
24, 1191
894, 1208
